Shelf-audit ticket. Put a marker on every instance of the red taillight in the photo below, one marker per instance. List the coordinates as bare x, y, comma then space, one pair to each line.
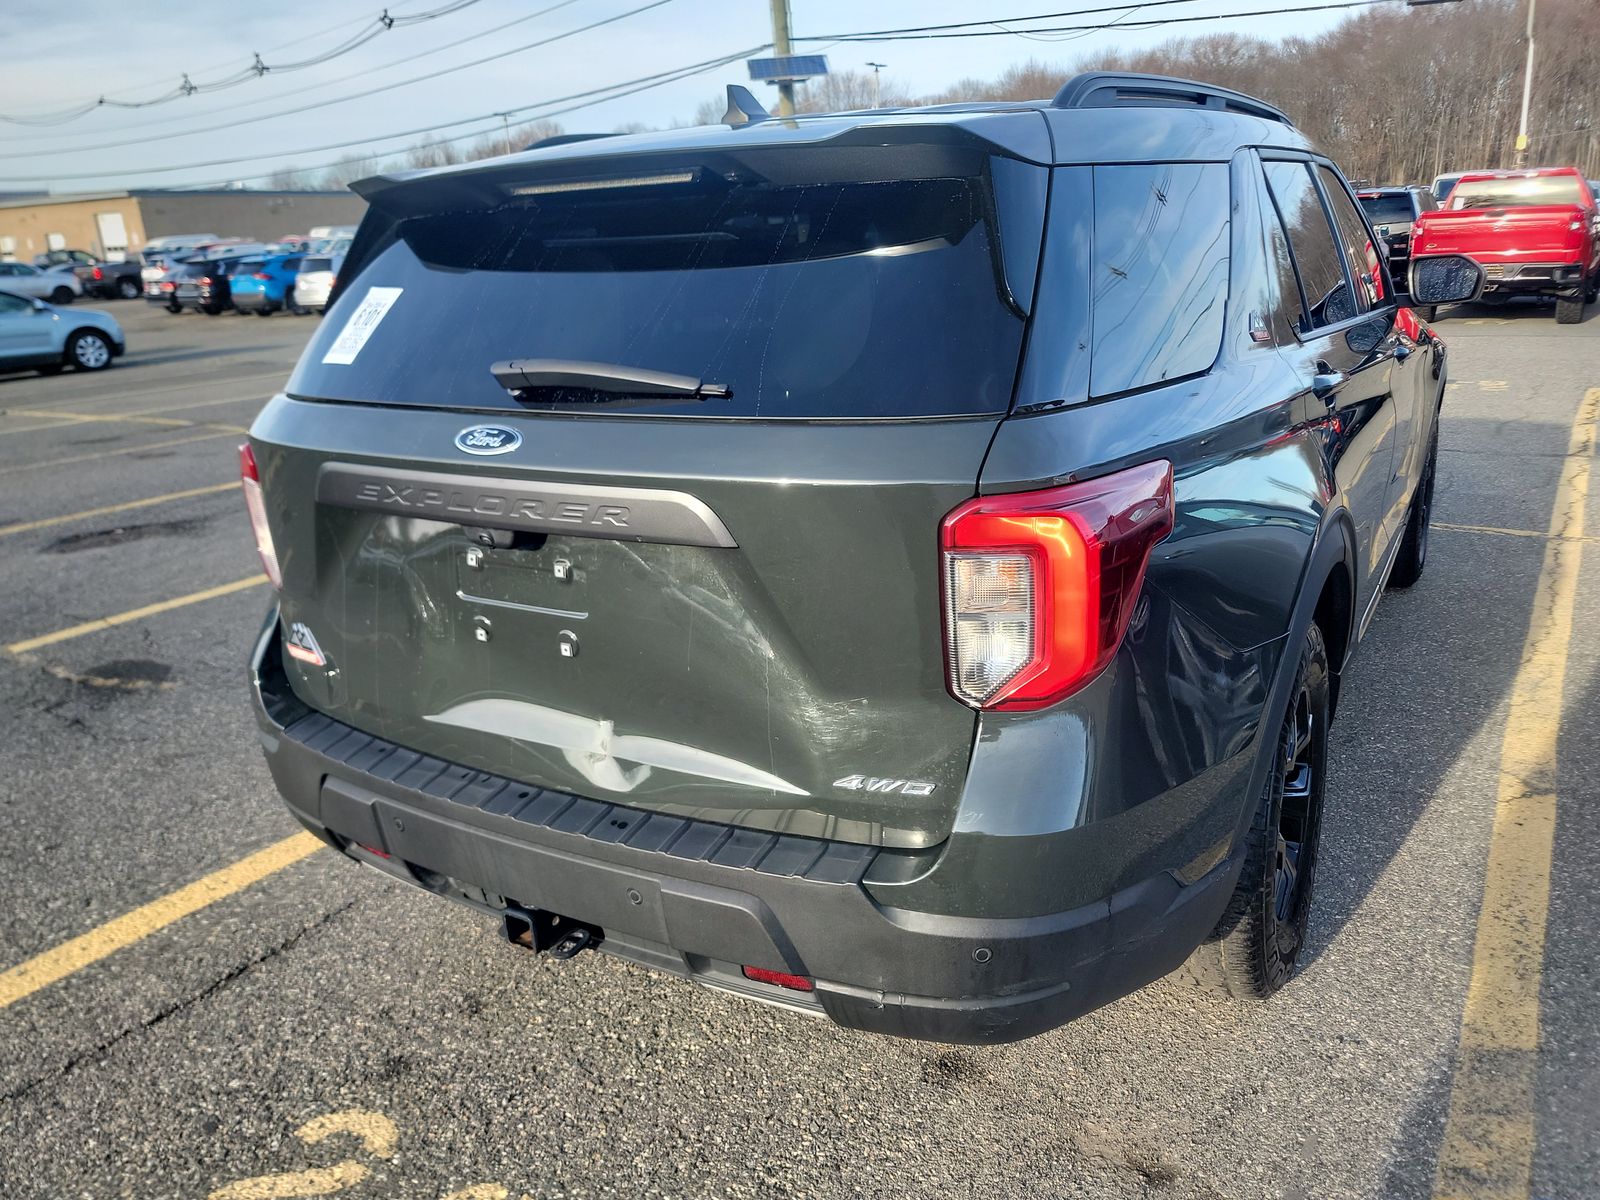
1039, 586
167, 287
97, 273
261, 275
250, 480
795, 983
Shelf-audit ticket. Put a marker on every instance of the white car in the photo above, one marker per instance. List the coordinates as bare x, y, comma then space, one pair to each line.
58, 287
314, 282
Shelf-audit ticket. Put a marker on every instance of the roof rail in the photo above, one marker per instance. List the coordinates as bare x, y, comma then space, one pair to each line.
1117, 89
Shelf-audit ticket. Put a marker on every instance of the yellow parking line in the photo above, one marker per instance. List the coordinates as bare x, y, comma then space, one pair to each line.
1487, 1149
107, 510
167, 389
1498, 532
44, 969
80, 458
62, 420
133, 614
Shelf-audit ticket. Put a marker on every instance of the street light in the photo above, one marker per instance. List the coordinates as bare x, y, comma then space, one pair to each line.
876, 67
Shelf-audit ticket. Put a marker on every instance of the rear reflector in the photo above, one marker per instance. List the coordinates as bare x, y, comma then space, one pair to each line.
795, 983
1039, 586
250, 480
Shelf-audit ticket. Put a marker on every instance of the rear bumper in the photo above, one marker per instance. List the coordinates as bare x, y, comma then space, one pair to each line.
250, 301
1549, 278
701, 900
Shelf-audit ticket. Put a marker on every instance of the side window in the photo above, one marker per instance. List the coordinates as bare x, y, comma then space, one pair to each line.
1357, 241
1317, 257
1159, 282
10, 305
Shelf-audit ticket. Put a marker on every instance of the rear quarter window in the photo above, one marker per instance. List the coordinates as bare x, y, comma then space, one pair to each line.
1159, 274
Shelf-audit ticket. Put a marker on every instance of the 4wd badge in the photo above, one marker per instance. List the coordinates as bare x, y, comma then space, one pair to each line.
302, 644
871, 783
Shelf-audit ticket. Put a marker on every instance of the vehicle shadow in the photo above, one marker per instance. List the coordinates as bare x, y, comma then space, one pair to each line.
1515, 308
1434, 668
1565, 1072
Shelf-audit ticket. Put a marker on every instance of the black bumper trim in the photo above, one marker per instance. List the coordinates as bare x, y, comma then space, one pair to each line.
534, 808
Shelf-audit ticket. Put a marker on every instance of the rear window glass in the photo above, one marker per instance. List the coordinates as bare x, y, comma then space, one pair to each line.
880, 298
1160, 285
1388, 210
317, 264
247, 266
1516, 193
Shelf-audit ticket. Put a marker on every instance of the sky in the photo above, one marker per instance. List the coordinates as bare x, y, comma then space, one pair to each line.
55, 57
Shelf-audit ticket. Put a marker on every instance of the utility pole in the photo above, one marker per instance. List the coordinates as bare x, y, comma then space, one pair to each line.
782, 49
1527, 94
876, 95
505, 123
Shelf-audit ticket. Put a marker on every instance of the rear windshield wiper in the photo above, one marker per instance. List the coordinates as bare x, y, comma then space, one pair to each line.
565, 381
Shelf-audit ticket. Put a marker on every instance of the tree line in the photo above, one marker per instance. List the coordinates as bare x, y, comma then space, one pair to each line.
1394, 95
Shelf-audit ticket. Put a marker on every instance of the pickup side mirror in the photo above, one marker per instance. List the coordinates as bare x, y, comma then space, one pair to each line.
1445, 279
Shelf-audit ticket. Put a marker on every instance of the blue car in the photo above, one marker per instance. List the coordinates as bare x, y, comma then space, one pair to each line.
264, 285
47, 338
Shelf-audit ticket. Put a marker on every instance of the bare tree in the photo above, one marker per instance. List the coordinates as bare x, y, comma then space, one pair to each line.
290, 179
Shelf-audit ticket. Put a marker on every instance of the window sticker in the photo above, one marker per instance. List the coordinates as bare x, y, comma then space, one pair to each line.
377, 302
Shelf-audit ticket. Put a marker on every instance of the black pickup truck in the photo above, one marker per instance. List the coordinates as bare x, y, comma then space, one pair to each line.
109, 280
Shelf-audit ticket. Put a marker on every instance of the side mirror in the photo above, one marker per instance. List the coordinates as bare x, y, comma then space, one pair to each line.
40, 305
1445, 279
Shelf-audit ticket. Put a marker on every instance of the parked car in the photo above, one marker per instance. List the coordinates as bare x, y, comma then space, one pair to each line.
1392, 211
1535, 233
51, 259
161, 281
179, 244
36, 334
112, 279
58, 287
262, 285
685, 568
313, 283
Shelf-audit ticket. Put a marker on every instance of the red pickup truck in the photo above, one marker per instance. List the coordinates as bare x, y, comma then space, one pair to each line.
1533, 232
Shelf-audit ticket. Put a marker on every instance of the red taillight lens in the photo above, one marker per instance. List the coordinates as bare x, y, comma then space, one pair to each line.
261, 275
1039, 586
250, 479
97, 273
795, 983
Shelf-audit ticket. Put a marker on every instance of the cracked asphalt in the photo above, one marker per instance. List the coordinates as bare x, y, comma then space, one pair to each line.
326, 1028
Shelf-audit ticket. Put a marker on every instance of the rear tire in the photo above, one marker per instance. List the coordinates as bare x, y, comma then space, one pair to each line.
62, 295
264, 312
1253, 949
174, 307
1429, 313
51, 368
128, 289
1569, 311
89, 351
1414, 549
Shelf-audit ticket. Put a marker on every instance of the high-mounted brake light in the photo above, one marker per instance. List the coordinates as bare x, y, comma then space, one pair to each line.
250, 481
1039, 587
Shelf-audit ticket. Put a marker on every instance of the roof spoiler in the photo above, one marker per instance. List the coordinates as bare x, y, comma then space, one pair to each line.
1130, 89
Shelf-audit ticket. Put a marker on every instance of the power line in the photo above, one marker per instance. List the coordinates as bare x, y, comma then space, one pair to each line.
222, 162
55, 151
257, 68
589, 98
298, 92
1154, 22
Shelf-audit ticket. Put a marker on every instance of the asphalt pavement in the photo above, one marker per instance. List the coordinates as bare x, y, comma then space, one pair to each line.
326, 1031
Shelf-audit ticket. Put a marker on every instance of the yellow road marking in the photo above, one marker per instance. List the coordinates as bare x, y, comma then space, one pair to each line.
63, 420
133, 614
1497, 531
79, 458
44, 969
107, 510
1487, 1149
167, 389
378, 1137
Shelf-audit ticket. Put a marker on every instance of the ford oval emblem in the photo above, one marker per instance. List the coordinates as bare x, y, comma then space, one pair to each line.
488, 439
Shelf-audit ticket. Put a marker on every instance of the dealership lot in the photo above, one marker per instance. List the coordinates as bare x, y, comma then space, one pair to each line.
313, 1029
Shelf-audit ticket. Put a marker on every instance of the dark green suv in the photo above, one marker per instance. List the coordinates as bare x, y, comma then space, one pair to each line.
896, 565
